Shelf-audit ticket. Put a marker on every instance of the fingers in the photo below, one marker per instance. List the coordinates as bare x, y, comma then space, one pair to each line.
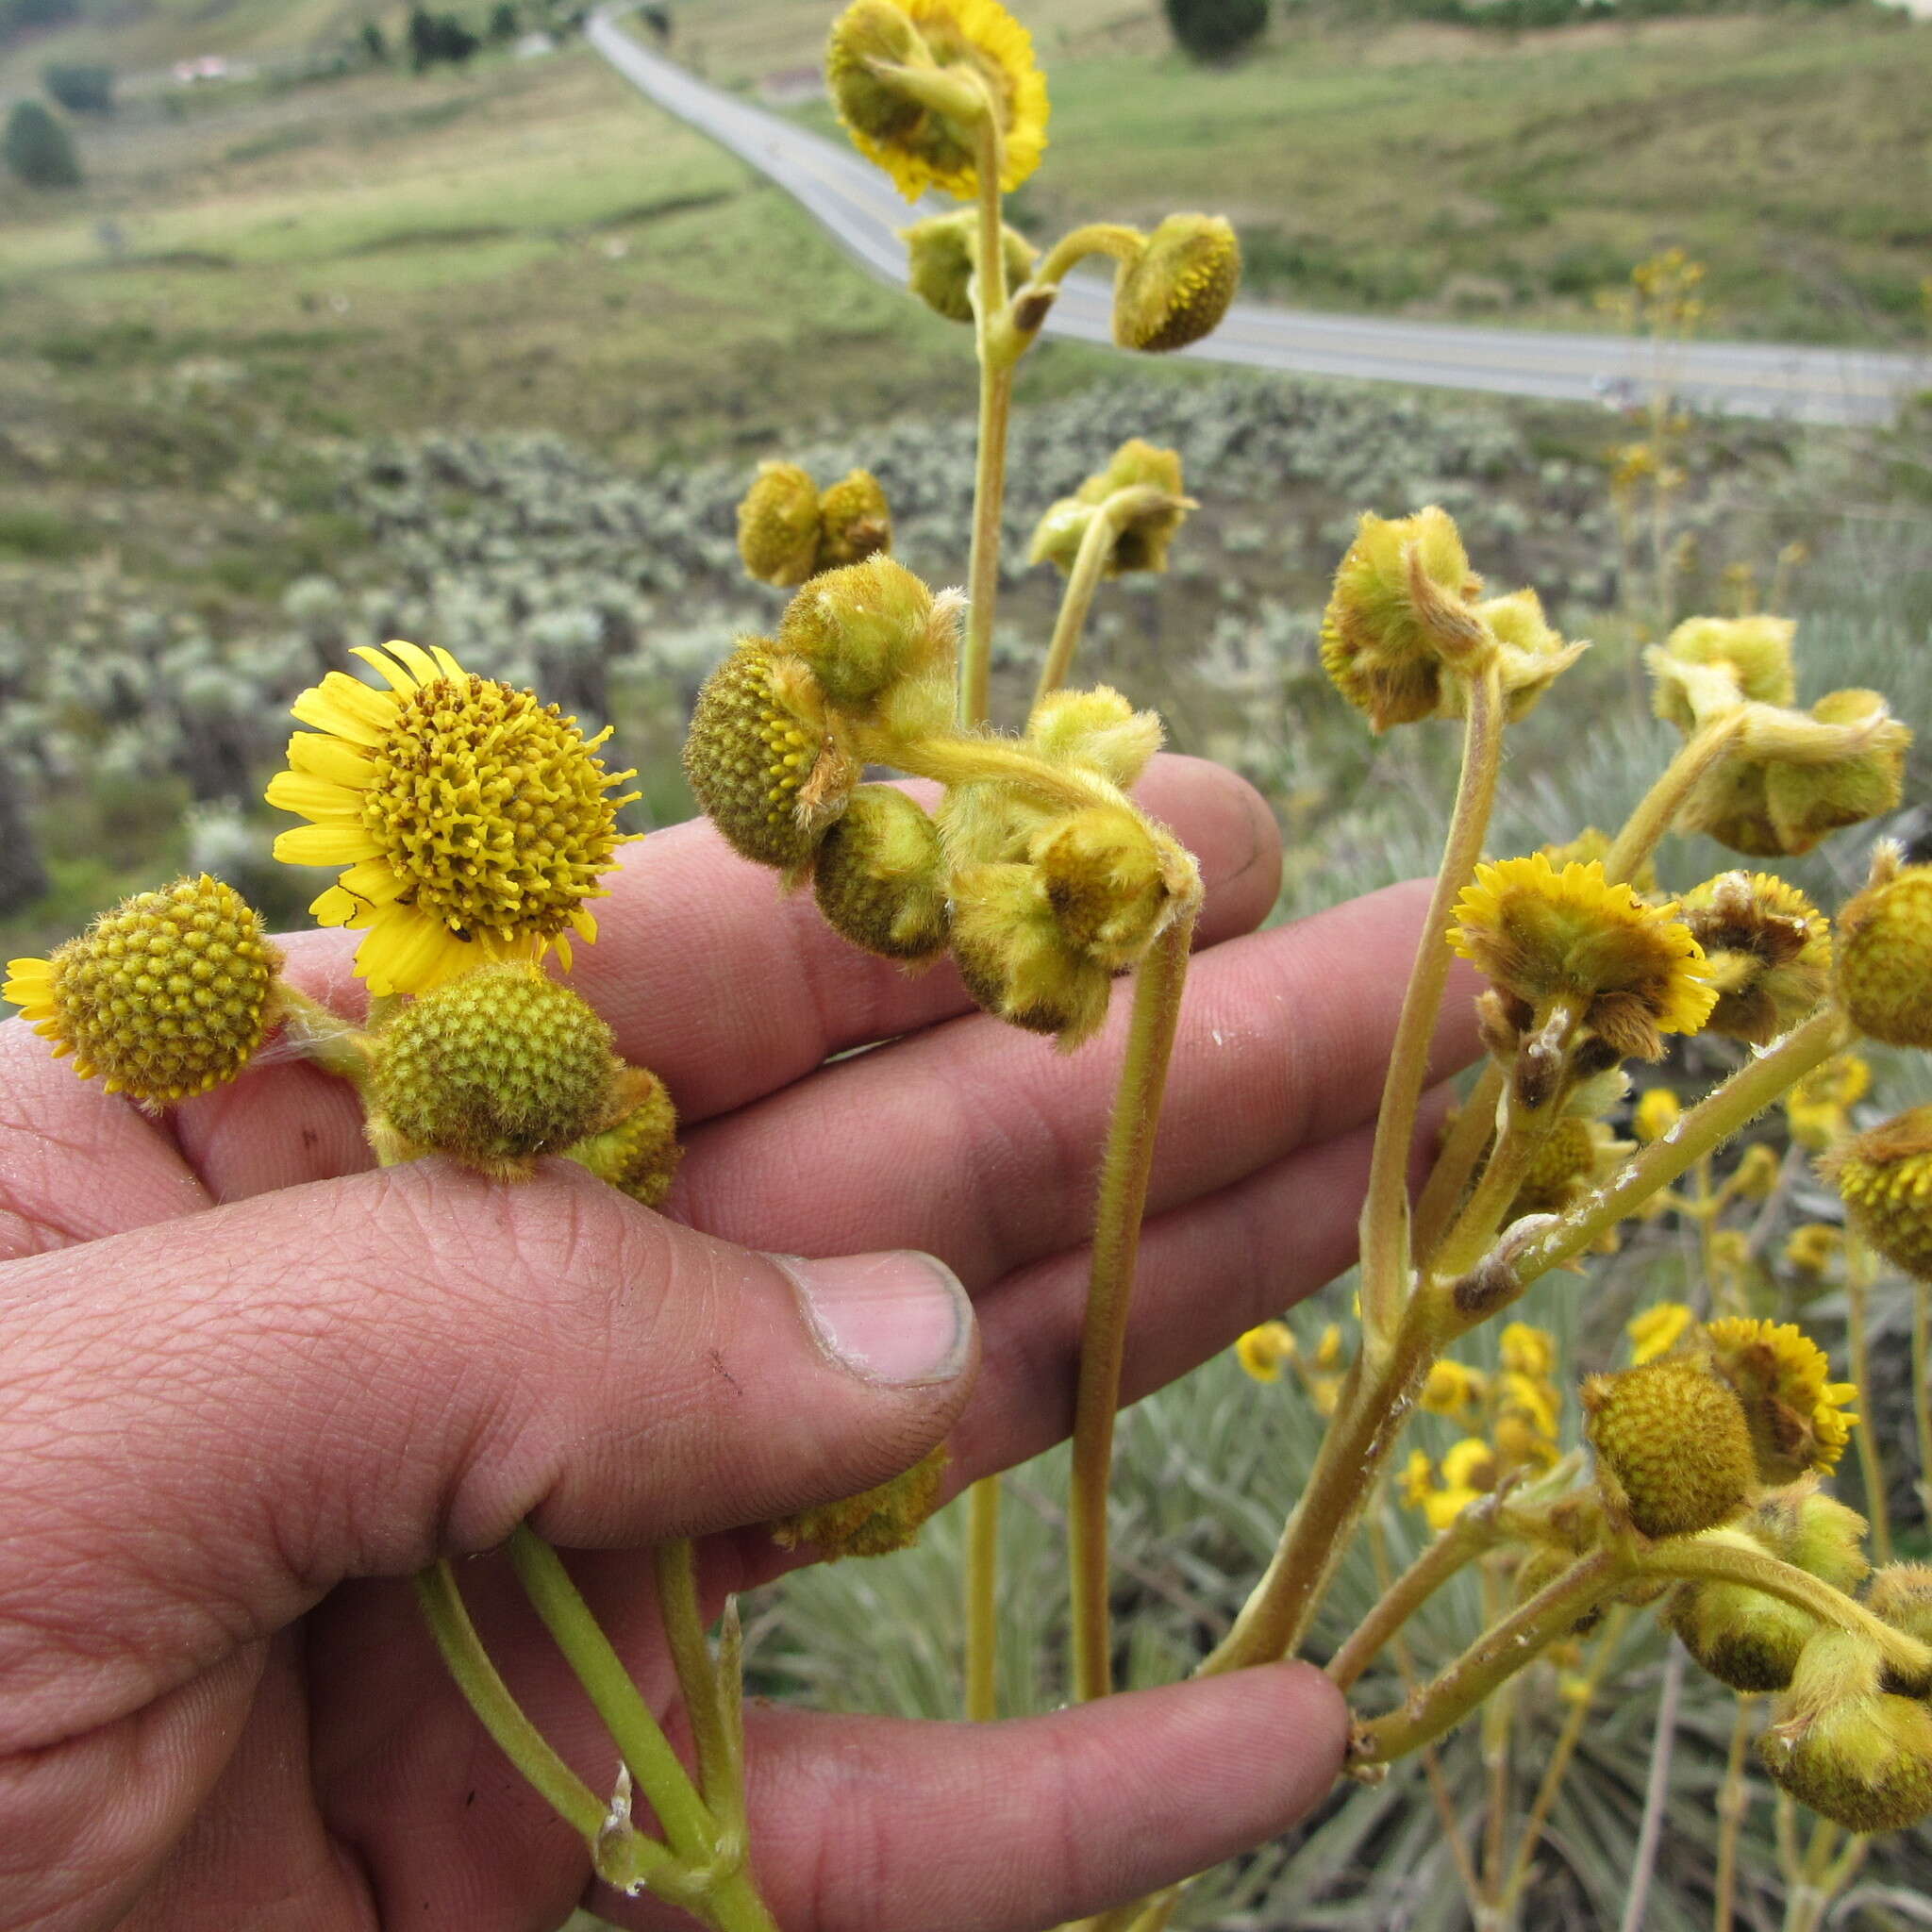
1283, 1039
260, 1400
881, 1825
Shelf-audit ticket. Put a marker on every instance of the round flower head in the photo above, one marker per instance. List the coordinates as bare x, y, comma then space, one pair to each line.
1633, 972
942, 253
1711, 664
1837, 1742
1574, 1155
637, 1154
866, 628
1672, 1445
1798, 1417
1143, 485
910, 80
880, 877
1885, 962
1814, 1248
1886, 1178
1179, 285
1400, 612
855, 521
497, 1068
1768, 950
760, 757
165, 996
1265, 1351
475, 822
778, 525
874, 1523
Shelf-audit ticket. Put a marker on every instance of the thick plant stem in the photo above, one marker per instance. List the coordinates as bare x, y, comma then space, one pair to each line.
639, 1741
1710, 1123
1470, 1133
1125, 1169
1491, 1660
1515, 1152
1450, 1552
1658, 807
1357, 1445
1097, 237
1089, 561
1870, 1468
1498, 1724
500, 1714
1656, 1792
1921, 1388
995, 407
720, 1772
1385, 1230
1733, 1801
982, 1599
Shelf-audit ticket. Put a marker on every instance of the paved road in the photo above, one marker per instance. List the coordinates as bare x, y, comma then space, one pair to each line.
862, 211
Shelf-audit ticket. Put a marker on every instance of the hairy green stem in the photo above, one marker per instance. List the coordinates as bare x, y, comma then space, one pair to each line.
720, 1770
1125, 1166
1470, 1133
1859, 1272
982, 1599
322, 1036
996, 409
1733, 1801
1450, 1552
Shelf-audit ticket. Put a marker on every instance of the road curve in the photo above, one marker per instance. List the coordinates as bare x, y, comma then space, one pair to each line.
863, 213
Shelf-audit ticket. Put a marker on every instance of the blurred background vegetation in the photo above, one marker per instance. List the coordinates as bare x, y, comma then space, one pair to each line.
344, 333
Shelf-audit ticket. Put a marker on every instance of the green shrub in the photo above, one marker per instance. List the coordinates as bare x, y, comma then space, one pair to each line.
38, 149
80, 87
1216, 29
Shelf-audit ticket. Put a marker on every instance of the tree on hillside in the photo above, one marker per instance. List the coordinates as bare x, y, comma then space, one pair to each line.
36, 148
375, 43
435, 36
81, 88
1216, 29
504, 25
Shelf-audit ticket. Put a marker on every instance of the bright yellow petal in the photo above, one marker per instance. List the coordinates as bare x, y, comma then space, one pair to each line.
584, 926
348, 708
407, 951
399, 676
324, 846
336, 908
321, 755
314, 798
374, 880
447, 665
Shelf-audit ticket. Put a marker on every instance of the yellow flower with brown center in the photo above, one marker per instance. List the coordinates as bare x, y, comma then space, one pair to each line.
1631, 972
1769, 950
1800, 1418
1452, 1388
165, 996
1657, 1330
1886, 1178
1264, 1351
473, 819
909, 79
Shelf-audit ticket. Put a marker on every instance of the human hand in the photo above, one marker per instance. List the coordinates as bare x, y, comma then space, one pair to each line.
251, 1386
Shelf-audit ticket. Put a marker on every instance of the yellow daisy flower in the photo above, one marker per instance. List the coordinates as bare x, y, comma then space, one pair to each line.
1263, 1351
1634, 972
1800, 1420
1657, 1330
890, 66
472, 819
1657, 1113
1818, 1107
1528, 1351
1451, 1388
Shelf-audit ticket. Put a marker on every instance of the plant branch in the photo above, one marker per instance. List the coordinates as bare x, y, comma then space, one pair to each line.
1450, 1552
996, 409
982, 1599
1658, 807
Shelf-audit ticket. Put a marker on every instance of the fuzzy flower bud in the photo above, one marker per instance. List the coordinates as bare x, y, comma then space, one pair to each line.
1015, 960
1575, 1156
874, 1523
163, 997
1709, 665
1096, 728
1767, 951
1140, 493
880, 880
1901, 1593
1672, 1449
1885, 1177
855, 521
637, 1154
866, 628
495, 1068
760, 756
778, 525
1179, 286
1885, 957
1529, 654
943, 255
1848, 1749
1401, 611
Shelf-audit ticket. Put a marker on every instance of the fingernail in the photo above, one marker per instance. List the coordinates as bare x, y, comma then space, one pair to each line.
899, 1318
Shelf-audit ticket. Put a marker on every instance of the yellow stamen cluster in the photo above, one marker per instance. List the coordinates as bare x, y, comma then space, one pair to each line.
1674, 1452
475, 821
1886, 1178
163, 997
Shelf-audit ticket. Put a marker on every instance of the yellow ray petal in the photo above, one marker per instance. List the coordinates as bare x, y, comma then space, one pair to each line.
398, 676
348, 708
323, 756
374, 880
314, 798
326, 845
447, 665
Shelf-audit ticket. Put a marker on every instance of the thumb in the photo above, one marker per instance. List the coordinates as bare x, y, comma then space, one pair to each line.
212, 1422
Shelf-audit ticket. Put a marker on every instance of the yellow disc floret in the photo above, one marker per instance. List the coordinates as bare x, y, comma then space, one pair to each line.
165, 996
637, 1154
1179, 285
1885, 964
1886, 1178
475, 821
1799, 1418
1672, 1445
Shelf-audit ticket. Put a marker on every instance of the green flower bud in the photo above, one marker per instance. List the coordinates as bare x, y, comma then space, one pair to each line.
761, 758
1901, 1593
867, 628
944, 253
880, 880
778, 525
1179, 286
638, 1153
1016, 960
1851, 1751
1106, 881
875, 1524
1708, 665
1674, 1453
1529, 654
1885, 955
1098, 729
1141, 485
494, 1068
854, 521
165, 996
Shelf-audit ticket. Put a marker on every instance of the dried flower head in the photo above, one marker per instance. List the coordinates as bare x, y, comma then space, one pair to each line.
475, 822
1767, 951
1798, 1417
1632, 972
163, 997
855, 521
